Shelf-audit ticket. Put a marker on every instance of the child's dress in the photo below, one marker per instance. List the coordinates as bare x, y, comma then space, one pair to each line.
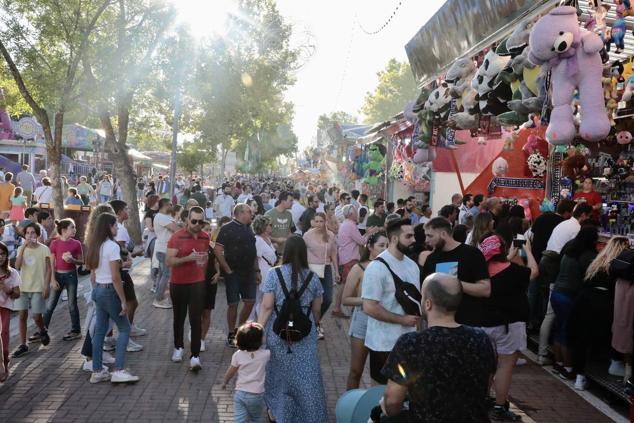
17, 208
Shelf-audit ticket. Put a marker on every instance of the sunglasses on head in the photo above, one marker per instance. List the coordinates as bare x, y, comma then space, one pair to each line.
197, 221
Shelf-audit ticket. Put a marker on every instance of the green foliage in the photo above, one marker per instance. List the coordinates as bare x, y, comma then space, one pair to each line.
396, 87
326, 120
192, 155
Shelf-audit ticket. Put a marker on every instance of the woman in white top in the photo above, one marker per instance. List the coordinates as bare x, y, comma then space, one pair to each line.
9, 290
322, 259
44, 193
267, 257
104, 189
104, 262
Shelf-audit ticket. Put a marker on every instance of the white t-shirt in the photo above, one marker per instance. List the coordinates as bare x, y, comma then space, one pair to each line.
43, 194
163, 234
251, 369
105, 188
564, 232
266, 256
363, 224
296, 211
12, 280
108, 252
378, 285
224, 205
122, 233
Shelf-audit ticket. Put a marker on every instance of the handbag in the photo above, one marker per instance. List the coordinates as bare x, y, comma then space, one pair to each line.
320, 269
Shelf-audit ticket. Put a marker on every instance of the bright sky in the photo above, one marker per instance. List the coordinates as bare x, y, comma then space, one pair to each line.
345, 62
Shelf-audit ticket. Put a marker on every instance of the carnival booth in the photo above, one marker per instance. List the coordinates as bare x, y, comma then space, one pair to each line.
527, 99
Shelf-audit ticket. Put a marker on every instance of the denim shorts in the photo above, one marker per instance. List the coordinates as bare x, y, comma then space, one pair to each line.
240, 287
33, 299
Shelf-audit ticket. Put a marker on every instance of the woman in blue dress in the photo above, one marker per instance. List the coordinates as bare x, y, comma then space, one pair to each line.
294, 390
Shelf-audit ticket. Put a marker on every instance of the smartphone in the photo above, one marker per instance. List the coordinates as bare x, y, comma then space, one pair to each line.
519, 243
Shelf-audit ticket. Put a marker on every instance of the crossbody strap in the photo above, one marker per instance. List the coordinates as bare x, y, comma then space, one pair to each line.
397, 281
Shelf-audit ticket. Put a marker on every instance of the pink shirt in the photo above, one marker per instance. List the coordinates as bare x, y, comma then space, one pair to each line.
251, 369
349, 240
319, 252
59, 247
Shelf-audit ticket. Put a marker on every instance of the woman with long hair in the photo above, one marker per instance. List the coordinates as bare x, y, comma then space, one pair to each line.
322, 259
377, 243
331, 220
66, 255
257, 205
294, 390
9, 291
104, 262
482, 225
575, 259
91, 314
591, 316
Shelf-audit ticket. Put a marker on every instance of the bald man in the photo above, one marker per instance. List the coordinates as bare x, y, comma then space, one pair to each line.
458, 359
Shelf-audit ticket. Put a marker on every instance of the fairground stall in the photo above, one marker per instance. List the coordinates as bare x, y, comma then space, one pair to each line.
524, 100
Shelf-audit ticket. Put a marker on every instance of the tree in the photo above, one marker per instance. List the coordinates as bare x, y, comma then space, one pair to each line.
193, 155
43, 44
324, 121
240, 83
135, 30
396, 87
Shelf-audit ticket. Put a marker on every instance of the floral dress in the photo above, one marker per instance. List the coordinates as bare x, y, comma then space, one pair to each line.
294, 389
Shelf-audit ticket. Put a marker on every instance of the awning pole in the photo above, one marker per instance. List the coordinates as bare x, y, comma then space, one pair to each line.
452, 152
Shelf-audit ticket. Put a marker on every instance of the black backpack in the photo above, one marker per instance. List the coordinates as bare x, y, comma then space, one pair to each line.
622, 267
291, 324
406, 293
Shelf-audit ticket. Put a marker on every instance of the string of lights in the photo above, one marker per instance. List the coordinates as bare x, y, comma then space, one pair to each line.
382, 27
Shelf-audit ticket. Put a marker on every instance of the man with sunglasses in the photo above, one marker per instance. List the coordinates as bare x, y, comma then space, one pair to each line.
187, 256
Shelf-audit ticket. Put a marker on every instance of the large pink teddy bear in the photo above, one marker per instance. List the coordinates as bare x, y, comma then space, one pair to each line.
572, 54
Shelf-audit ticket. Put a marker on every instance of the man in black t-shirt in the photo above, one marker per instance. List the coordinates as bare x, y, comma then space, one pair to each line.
444, 369
462, 261
237, 256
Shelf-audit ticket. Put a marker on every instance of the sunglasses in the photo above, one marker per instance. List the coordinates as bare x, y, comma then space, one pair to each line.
197, 221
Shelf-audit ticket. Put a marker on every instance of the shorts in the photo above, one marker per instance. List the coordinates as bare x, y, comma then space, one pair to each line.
240, 287
128, 287
347, 267
358, 324
377, 361
508, 339
34, 299
210, 295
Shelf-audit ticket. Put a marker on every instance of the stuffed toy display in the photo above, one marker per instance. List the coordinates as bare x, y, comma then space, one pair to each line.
374, 166
536, 164
619, 28
575, 167
572, 54
484, 83
459, 76
623, 137
500, 167
629, 88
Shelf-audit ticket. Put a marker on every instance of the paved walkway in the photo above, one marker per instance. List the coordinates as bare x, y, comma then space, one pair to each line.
48, 385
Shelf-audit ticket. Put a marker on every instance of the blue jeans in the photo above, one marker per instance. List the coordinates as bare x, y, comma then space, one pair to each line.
68, 281
326, 283
247, 407
163, 277
104, 198
562, 306
108, 307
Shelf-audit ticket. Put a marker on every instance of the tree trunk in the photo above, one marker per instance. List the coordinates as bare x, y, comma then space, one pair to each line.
124, 173
54, 153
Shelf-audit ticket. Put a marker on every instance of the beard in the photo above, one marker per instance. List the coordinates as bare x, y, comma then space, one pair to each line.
405, 249
440, 245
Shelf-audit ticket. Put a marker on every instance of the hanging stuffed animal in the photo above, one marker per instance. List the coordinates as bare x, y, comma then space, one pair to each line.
424, 153
374, 167
459, 76
572, 53
629, 88
618, 27
500, 167
623, 137
536, 164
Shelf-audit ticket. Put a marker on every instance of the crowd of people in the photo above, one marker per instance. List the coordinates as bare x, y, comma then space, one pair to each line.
431, 300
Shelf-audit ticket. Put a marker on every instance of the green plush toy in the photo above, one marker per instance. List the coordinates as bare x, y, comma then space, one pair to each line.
374, 168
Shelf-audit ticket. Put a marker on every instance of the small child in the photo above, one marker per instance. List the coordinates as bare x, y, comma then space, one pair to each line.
249, 362
18, 204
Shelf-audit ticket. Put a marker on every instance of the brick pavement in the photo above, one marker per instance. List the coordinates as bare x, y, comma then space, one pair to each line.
48, 385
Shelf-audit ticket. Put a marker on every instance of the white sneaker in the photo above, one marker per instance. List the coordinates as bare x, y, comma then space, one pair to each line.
177, 357
101, 376
123, 376
87, 366
165, 303
320, 333
194, 364
137, 331
107, 358
133, 346
109, 343
617, 368
580, 383
202, 346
